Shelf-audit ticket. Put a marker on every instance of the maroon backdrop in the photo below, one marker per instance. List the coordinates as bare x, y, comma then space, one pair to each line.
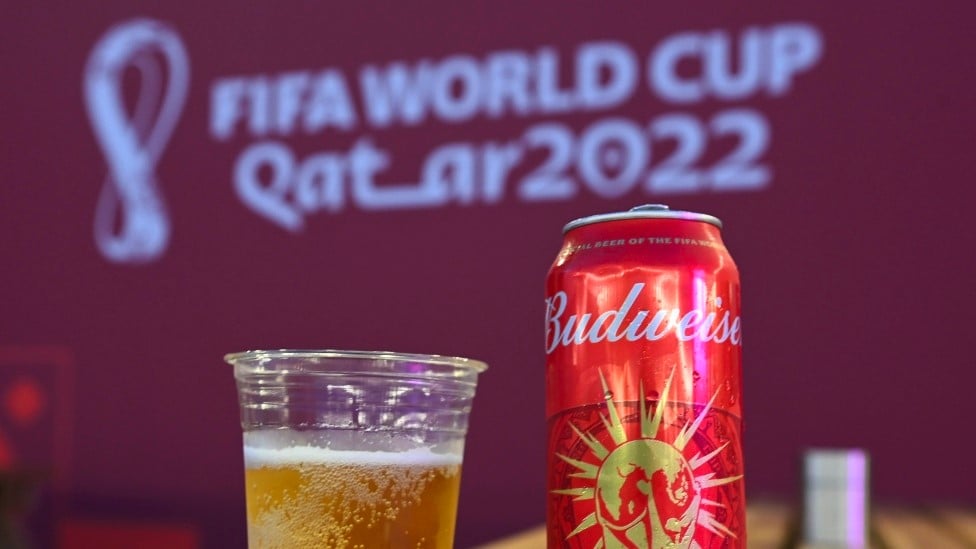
842, 168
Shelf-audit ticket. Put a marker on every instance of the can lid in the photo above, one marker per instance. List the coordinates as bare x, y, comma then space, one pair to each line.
646, 211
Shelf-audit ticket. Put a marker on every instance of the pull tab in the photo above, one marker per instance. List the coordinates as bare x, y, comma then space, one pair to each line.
651, 208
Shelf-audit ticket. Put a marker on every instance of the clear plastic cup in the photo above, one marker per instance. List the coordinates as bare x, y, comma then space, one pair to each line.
352, 448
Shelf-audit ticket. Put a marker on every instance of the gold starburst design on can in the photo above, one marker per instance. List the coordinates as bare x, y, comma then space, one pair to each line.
647, 494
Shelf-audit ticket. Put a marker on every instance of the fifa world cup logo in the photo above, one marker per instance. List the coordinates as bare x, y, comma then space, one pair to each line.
131, 224
646, 492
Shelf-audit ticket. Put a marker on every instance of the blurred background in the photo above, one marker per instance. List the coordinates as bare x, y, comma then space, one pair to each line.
182, 180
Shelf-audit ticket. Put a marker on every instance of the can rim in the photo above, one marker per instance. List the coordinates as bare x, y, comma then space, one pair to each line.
646, 211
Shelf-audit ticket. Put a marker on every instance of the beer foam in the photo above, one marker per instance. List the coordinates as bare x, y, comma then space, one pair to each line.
279, 457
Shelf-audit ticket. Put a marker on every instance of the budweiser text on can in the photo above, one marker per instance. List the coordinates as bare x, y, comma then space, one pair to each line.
643, 369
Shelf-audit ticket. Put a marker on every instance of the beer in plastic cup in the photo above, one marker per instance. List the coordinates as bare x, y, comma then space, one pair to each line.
352, 448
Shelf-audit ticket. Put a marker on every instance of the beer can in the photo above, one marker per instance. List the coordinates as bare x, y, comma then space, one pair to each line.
643, 384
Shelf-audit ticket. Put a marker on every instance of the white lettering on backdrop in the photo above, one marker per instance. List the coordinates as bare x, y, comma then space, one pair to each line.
610, 157
131, 225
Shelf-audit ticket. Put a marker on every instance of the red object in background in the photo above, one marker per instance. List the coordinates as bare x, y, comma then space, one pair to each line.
23, 403
36, 386
36, 414
643, 337
82, 534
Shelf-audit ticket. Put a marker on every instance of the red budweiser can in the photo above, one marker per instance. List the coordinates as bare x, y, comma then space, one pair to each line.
644, 372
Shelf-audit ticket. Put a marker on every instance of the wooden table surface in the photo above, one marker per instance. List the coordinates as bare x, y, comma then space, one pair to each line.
775, 526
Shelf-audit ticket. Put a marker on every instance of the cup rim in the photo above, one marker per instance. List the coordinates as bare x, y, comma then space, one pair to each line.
256, 357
